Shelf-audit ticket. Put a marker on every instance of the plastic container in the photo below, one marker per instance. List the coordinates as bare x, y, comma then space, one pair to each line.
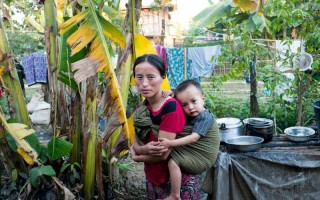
316, 106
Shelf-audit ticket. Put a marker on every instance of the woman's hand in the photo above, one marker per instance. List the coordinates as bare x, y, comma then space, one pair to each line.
165, 142
152, 153
166, 93
133, 153
155, 149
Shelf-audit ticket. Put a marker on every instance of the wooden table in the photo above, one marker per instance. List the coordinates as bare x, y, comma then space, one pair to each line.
281, 169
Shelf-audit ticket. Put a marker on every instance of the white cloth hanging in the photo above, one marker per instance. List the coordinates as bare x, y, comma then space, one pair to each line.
203, 60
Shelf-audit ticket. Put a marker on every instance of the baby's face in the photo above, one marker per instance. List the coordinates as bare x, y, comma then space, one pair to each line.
191, 100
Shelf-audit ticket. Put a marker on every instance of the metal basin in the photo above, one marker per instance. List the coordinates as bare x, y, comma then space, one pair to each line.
299, 133
244, 143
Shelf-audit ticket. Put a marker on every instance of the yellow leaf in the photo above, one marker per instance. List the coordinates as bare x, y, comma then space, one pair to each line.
73, 21
164, 86
143, 46
59, 4
123, 153
82, 37
2, 70
25, 156
247, 5
17, 126
130, 137
18, 132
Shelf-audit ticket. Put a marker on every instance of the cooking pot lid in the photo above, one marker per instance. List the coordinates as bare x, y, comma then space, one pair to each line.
229, 122
261, 122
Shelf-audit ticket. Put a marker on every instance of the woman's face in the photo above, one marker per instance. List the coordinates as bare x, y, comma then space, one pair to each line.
148, 79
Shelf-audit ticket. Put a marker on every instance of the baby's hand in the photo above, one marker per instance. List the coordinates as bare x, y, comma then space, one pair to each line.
165, 142
166, 93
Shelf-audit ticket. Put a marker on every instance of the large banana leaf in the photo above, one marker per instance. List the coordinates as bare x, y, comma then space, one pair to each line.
252, 20
28, 149
213, 13
65, 74
93, 32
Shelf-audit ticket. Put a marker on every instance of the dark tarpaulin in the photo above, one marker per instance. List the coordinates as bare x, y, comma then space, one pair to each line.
275, 174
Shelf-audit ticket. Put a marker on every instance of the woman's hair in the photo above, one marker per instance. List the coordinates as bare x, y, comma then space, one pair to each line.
154, 60
184, 84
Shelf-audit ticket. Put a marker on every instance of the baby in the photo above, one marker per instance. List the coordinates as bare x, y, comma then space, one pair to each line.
190, 95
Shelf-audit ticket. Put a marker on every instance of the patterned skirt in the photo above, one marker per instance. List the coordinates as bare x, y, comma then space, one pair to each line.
190, 188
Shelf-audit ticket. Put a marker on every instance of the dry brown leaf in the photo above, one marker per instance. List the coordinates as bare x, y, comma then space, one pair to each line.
84, 68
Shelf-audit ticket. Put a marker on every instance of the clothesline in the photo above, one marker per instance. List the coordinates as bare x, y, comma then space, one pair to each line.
190, 63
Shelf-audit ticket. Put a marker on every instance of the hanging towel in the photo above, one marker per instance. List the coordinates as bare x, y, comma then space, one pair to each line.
175, 58
202, 60
35, 68
189, 72
162, 52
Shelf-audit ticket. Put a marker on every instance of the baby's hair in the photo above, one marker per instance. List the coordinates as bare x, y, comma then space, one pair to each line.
184, 84
154, 60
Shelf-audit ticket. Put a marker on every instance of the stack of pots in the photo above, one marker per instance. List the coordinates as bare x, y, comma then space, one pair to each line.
229, 127
260, 127
316, 106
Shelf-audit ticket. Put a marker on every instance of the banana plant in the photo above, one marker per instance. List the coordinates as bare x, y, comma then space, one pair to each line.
9, 80
248, 12
91, 34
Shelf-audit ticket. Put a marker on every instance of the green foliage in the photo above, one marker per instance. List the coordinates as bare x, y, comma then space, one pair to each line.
37, 172
243, 31
133, 102
57, 148
23, 43
123, 166
286, 112
227, 107
72, 171
4, 104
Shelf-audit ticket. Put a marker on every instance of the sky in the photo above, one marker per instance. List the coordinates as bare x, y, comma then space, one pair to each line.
187, 9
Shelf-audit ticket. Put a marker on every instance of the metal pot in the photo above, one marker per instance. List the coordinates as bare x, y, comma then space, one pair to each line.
244, 143
229, 127
260, 127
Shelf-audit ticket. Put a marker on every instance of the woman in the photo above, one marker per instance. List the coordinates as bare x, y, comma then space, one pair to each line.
159, 117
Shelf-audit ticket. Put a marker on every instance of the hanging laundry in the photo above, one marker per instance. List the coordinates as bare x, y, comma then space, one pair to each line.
35, 68
203, 60
162, 52
175, 58
189, 72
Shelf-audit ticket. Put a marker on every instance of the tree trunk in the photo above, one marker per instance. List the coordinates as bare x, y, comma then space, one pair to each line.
15, 97
127, 56
51, 49
89, 150
75, 127
303, 84
254, 106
